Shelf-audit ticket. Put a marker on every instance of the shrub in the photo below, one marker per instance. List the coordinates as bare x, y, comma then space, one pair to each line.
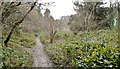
93, 49
18, 53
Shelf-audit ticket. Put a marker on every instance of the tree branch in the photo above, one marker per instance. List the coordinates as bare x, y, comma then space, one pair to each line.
17, 24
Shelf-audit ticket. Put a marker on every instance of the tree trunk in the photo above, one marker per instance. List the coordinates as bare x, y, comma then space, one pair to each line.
17, 24
51, 39
8, 38
119, 23
52, 36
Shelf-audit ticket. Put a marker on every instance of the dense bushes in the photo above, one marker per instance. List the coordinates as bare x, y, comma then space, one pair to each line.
18, 54
92, 49
23, 39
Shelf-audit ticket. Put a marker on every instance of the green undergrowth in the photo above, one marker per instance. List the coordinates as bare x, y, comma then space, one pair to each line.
92, 49
18, 53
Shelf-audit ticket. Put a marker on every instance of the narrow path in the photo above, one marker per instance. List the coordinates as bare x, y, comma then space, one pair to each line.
39, 56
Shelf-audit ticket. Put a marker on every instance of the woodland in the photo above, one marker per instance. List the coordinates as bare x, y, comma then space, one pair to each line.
88, 39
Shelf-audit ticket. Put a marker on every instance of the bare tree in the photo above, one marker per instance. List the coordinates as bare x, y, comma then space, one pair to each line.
7, 12
51, 25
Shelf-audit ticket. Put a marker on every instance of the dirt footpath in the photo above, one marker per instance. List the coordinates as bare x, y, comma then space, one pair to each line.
39, 56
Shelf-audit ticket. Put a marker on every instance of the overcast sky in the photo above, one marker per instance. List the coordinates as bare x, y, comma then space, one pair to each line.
64, 7
61, 8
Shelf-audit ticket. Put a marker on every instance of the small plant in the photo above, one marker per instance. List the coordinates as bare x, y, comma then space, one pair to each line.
94, 49
17, 54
